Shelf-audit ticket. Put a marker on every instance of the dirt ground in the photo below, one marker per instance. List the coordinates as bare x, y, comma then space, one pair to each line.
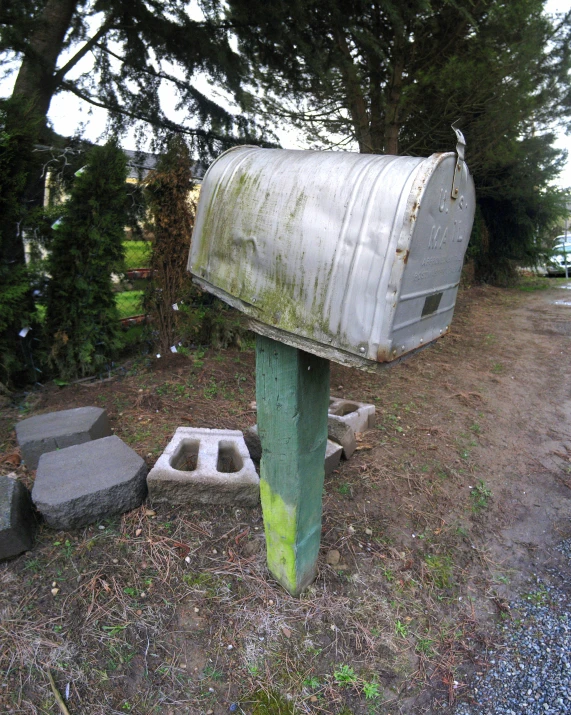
451, 508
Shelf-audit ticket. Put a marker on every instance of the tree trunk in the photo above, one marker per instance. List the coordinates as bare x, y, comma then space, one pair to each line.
36, 79
355, 99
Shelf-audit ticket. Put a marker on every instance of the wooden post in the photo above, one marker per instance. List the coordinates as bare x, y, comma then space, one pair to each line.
292, 395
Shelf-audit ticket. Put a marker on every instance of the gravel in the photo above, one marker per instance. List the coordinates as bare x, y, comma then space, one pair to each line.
531, 673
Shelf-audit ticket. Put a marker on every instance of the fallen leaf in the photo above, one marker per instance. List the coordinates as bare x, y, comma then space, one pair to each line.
13, 458
138, 532
150, 512
286, 632
55, 591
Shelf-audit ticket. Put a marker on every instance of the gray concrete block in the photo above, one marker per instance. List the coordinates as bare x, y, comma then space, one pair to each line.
360, 416
342, 433
17, 519
57, 430
333, 451
205, 466
87, 482
253, 443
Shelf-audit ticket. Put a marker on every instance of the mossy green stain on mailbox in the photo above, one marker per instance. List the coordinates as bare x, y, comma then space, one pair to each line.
292, 393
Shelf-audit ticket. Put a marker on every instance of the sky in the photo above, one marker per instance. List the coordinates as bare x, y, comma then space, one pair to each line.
68, 113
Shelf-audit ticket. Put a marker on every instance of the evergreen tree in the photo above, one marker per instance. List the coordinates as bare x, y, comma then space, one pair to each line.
18, 132
168, 190
82, 327
136, 48
392, 77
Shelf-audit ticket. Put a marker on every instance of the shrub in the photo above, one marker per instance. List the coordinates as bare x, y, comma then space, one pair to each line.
82, 326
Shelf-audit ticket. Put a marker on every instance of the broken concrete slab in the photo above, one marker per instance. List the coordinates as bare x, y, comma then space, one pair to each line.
58, 430
360, 416
17, 519
345, 419
342, 433
333, 451
87, 482
205, 466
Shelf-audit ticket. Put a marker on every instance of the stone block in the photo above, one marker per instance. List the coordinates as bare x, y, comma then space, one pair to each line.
17, 519
57, 430
205, 466
358, 415
87, 482
342, 433
253, 443
333, 451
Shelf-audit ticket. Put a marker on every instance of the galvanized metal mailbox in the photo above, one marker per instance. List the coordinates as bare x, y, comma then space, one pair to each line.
333, 256
352, 257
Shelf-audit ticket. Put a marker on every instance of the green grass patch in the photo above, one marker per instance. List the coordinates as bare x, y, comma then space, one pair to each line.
129, 303
137, 254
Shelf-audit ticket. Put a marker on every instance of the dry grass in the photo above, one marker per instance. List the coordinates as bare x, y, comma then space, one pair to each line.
172, 610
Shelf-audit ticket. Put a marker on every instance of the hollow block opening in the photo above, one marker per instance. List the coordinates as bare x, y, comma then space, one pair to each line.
185, 458
342, 408
229, 459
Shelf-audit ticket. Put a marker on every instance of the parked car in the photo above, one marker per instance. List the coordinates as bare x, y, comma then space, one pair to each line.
561, 253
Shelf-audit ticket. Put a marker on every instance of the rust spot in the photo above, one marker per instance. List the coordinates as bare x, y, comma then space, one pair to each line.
384, 355
400, 251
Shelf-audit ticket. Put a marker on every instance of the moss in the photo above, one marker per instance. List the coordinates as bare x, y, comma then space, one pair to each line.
280, 520
270, 703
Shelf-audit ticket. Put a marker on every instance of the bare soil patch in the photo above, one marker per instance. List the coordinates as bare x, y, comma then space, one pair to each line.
452, 506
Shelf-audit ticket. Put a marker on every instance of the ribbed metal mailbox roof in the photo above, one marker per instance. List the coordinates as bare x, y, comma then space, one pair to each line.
353, 257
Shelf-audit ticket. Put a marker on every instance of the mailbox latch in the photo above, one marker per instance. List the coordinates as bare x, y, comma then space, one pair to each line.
459, 169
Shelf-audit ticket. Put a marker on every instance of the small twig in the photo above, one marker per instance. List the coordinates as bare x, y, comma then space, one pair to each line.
58, 697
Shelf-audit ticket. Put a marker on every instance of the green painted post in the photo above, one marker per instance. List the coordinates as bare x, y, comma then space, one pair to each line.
292, 395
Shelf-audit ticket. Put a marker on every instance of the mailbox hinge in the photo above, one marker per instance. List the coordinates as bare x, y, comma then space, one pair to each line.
459, 168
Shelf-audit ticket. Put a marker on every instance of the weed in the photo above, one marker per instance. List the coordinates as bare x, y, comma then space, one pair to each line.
440, 570
344, 675
211, 390
33, 565
425, 646
388, 574
502, 579
344, 489
211, 672
475, 428
401, 629
539, 597
480, 495
497, 368
312, 683
371, 690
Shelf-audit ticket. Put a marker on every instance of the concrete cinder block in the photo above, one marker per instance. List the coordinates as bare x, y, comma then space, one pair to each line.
57, 430
333, 450
347, 418
342, 433
333, 453
17, 519
358, 415
205, 466
88, 482
253, 443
